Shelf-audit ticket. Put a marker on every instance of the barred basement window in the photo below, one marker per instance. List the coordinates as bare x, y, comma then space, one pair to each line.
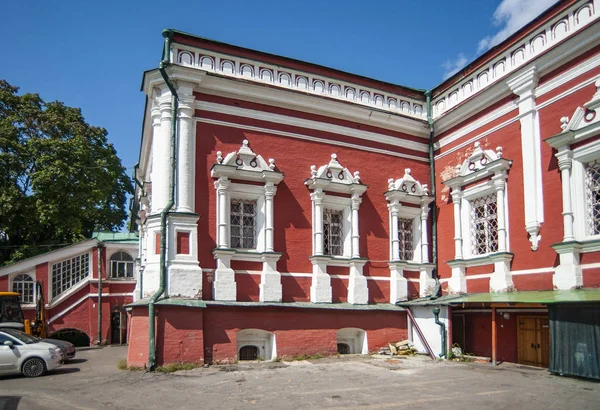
68, 273
243, 224
24, 285
343, 348
405, 239
592, 198
249, 353
121, 265
484, 225
333, 232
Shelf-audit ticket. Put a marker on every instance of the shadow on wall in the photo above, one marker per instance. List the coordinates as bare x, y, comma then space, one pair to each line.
288, 213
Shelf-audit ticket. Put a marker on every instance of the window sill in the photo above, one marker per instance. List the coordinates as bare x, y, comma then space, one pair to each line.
488, 259
585, 246
337, 260
246, 255
411, 265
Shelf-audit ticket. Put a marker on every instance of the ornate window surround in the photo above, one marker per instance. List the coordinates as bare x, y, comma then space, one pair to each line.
485, 172
335, 187
408, 199
576, 146
243, 174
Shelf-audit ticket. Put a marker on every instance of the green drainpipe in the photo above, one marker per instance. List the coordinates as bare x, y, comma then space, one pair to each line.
167, 34
436, 314
432, 189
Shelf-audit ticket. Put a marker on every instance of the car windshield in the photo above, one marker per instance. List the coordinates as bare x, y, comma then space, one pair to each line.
23, 337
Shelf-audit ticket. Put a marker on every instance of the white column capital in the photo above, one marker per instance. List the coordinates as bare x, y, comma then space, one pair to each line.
394, 207
424, 211
186, 106
270, 189
457, 195
222, 183
317, 196
524, 83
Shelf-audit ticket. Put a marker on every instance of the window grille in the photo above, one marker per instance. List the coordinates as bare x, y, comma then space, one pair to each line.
243, 224
24, 285
249, 353
333, 232
405, 239
121, 265
592, 198
68, 273
484, 225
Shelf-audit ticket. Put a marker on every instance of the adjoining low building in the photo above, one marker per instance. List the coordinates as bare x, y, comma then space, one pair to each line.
285, 208
71, 286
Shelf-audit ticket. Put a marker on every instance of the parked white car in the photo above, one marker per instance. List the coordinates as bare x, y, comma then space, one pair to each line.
21, 353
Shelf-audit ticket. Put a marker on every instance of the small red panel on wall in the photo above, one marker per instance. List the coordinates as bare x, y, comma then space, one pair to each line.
157, 243
183, 243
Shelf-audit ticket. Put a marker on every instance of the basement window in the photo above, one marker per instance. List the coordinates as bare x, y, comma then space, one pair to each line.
249, 353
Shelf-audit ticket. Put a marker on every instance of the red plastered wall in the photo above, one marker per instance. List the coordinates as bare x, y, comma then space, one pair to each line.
292, 219
4, 283
298, 331
137, 351
182, 339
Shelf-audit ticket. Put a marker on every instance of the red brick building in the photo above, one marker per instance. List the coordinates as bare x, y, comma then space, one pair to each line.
71, 285
292, 208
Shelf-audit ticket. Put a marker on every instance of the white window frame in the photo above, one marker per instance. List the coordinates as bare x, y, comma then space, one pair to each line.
414, 214
248, 193
81, 280
336, 203
110, 263
471, 194
33, 281
581, 156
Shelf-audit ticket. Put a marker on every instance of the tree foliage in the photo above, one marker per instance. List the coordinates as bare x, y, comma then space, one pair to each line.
60, 179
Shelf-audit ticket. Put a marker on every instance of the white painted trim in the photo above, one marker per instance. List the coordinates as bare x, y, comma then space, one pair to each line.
532, 271
82, 299
310, 275
310, 138
480, 276
312, 125
591, 265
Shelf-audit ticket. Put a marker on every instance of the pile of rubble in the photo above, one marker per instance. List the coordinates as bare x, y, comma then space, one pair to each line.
403, 348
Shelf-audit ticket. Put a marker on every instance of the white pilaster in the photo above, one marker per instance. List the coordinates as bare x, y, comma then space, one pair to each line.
395, 247
500, 186
398, 283
270, 279
568, 274
458, 243
320, 288
501, 279
424, 233
565, 162
524, 86
426, 282
185, 150
458, 281
270, 190
161, 149
355, 233
224, 286
358, 291
317, 197
221, 186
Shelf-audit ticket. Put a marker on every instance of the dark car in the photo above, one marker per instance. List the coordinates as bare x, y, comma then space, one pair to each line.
67, 348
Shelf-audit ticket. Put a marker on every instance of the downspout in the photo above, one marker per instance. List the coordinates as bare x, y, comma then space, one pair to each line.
436, 314
141, 236
100, 247
166, 61
434, 244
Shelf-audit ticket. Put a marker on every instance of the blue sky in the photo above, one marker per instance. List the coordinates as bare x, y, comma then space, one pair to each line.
91, 54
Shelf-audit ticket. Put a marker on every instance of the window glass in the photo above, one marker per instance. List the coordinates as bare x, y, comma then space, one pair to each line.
121, 265
333, 232
405, 239
484, 225
592, 188
243, 224
24, 285
68, 273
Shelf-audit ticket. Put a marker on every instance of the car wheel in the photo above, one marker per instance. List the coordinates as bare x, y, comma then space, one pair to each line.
34, 367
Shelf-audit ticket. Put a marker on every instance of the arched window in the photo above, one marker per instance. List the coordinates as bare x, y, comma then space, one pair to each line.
121, 265
25, 285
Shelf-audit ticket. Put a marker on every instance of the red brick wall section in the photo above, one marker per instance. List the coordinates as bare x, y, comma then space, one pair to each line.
591, 278
137, 351
247, 287
295, 288
379, 291
4, 283
183, 243
298, 331
183, 335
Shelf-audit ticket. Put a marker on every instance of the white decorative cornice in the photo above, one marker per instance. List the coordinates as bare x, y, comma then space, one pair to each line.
300, 81
335, 178
482, 163
408, 189
244, 164
580, 15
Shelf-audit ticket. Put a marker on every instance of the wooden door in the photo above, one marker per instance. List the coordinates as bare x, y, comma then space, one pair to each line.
458, 331
533, 341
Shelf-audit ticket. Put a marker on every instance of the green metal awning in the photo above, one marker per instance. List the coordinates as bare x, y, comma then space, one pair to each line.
545, 297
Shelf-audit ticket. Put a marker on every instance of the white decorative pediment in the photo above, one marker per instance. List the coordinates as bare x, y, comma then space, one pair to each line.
407, 189
335, 177
245, 164
584, 116
481, 163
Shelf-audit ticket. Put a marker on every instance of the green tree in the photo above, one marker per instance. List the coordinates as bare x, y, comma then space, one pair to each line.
60, 179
